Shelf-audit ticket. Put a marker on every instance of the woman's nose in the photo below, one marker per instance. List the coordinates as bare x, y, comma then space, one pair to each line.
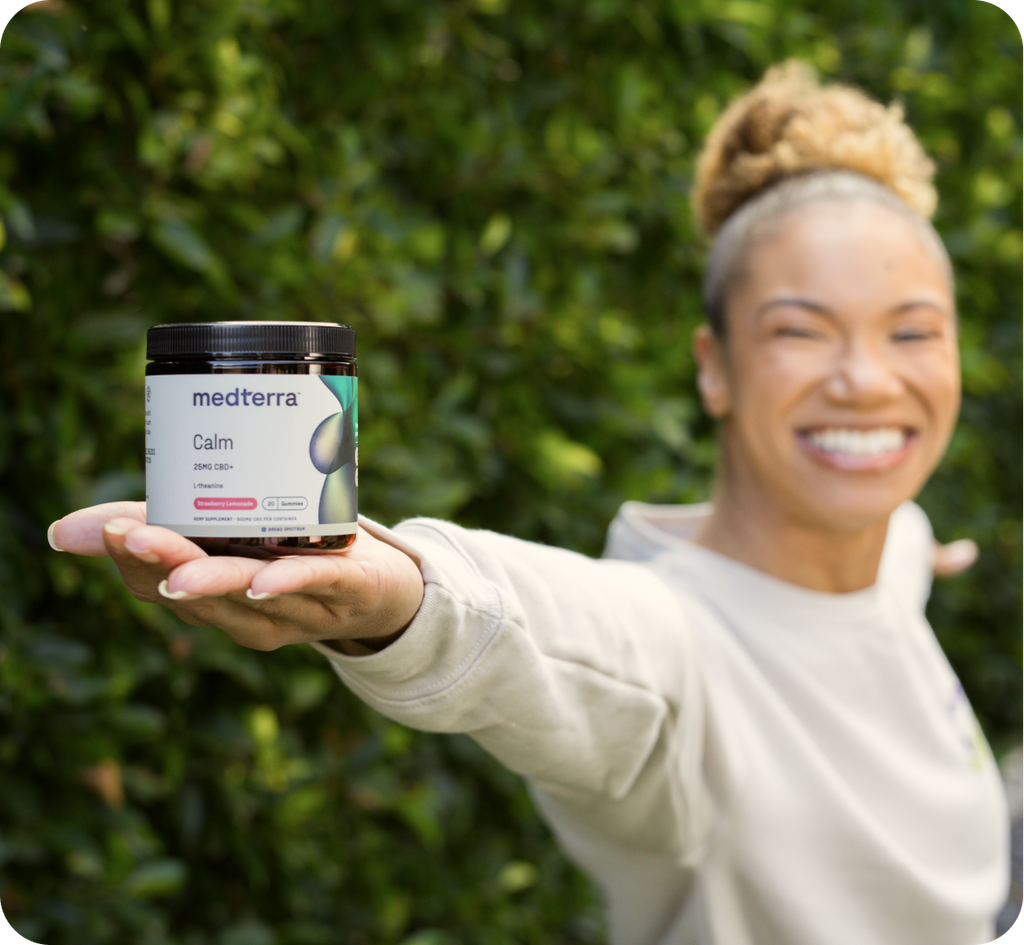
863, 375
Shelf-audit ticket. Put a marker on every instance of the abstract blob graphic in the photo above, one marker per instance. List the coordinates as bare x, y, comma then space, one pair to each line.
332, 451
338, 499
334, 443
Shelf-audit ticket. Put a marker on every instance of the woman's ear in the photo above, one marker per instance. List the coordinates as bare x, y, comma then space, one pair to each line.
712, 378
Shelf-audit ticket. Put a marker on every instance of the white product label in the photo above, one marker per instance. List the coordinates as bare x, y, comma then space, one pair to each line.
252, 455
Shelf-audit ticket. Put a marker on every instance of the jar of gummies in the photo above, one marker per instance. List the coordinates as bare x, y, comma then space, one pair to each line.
251, 435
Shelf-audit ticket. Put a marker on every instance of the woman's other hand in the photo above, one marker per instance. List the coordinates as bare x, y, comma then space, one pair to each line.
368, 593
954, 557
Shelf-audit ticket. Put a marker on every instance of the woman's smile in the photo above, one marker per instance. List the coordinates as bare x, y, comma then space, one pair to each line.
867, 449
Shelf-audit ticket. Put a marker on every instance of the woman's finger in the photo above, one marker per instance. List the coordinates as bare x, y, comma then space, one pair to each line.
81, 532
324, 575
146, 554
213, 577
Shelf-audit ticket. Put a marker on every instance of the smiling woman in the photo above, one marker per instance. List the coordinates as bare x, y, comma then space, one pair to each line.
837, 381
830, 352
746, 732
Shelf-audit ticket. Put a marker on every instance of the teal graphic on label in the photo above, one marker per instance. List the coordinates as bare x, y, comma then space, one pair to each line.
333, 450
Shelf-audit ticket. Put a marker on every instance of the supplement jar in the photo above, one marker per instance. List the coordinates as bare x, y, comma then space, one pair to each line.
251, 435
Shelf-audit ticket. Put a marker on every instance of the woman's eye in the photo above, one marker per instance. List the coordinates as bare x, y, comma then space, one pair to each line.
791, 331
914, 334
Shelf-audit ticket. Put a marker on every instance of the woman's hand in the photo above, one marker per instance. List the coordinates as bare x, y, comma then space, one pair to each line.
368, 593
954, 557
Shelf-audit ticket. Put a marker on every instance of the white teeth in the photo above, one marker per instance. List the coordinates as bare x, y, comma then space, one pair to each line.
858, 442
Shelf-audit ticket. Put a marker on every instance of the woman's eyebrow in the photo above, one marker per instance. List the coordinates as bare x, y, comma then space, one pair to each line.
820, 309
920, 303
786, 300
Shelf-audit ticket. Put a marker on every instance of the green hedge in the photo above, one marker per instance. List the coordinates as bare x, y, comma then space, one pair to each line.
495, 195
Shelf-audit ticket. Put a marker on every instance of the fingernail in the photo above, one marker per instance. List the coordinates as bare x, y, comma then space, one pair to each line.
51, 539
144, 553
112, 529
175, 595
252, 596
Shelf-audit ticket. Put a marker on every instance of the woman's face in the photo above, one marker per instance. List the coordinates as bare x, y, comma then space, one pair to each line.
839, 378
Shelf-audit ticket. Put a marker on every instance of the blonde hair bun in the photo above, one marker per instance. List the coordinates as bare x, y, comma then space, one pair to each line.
788, 124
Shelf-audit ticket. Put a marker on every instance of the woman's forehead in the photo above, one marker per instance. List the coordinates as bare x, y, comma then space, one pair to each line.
846, 248
834, 195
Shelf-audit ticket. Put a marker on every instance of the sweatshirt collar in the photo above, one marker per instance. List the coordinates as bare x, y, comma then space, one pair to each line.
661, 534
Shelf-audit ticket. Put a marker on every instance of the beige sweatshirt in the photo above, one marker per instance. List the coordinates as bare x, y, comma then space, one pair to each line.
734, 759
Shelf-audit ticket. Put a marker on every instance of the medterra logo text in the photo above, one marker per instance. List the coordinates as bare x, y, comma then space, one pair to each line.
246, 398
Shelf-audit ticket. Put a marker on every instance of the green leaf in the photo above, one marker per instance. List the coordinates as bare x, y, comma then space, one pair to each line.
156, 878
183, 243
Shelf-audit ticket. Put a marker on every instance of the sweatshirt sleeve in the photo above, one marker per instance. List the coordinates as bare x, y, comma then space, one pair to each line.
557, 664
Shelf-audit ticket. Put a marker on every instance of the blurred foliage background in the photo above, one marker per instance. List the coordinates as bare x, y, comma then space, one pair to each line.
495, 195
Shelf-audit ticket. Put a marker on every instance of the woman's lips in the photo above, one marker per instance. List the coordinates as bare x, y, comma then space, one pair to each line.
873, 449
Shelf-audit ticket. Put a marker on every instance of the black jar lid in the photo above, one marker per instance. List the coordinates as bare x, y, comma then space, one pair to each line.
253, 339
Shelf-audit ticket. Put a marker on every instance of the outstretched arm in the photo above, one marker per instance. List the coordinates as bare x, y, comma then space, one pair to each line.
545, 657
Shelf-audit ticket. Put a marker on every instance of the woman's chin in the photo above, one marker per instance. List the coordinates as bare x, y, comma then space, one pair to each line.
850, 510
